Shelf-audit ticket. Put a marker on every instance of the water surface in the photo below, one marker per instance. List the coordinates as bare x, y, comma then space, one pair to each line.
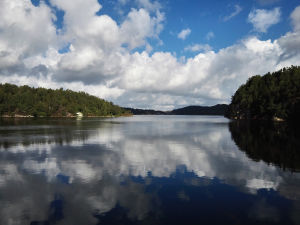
148, 170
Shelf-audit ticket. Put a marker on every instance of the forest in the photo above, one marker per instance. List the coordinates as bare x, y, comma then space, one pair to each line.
274, 96
42, 102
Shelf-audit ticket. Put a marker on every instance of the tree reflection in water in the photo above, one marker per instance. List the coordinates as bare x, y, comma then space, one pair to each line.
274, 143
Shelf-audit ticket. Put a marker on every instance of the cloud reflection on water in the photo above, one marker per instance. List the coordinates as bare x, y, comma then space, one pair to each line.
93, 171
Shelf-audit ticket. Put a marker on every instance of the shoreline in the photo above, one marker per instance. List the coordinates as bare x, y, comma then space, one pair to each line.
39, 117
274, 119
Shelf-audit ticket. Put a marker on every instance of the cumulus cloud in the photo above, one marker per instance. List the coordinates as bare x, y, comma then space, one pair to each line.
295, 16
149, 5
262, 19
102, 57
25, 31
138, 26
184, 33
211, 75
290, 42
237, 10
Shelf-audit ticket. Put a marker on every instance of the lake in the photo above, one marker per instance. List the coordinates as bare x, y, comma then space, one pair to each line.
148, 170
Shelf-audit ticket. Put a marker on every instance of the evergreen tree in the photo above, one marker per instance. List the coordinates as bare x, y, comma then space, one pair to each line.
271, 96
41, 102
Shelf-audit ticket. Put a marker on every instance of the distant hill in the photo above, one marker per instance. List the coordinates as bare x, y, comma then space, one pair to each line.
145, 111
274, 96
189, 110
26, 101
219, 109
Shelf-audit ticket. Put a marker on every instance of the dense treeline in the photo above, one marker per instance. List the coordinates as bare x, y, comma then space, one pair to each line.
272, 96
41, 102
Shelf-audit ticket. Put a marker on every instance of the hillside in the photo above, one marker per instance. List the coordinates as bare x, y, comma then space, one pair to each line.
189, 110
145, 111
219, 109
41, 102
274, 96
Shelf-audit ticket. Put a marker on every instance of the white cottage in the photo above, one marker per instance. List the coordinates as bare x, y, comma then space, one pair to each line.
79, 114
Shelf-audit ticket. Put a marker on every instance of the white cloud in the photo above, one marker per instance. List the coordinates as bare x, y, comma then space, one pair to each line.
102, 60
149, 5
184, 33
237, 10
138, 26
295, 16
262, 19
25, 31
198, 48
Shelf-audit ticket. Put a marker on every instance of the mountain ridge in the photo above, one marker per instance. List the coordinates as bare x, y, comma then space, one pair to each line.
219, 109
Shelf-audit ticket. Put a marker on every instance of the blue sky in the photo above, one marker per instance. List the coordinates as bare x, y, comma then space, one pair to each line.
216, 23
147, 53
210, 16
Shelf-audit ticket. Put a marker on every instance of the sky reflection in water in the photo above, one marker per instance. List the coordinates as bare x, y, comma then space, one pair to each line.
147, 170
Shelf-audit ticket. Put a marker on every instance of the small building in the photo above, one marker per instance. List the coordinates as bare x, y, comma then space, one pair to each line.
79, 114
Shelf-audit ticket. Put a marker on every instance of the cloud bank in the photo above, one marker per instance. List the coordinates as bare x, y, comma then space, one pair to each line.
112, 59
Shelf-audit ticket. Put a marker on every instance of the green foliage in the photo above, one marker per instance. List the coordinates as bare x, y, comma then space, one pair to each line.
268, 96
41, 102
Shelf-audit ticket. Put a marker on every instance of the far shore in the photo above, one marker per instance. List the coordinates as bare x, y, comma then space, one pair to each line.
30, 116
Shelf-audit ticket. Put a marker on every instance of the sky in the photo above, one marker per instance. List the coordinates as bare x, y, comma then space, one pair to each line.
147, 54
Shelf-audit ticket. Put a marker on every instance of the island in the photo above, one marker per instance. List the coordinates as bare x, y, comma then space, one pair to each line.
274, 96
25, 101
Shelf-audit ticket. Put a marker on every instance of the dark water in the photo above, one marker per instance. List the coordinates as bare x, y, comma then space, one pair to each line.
148, 170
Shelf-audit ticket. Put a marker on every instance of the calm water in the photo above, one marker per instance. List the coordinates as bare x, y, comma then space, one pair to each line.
148, 170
